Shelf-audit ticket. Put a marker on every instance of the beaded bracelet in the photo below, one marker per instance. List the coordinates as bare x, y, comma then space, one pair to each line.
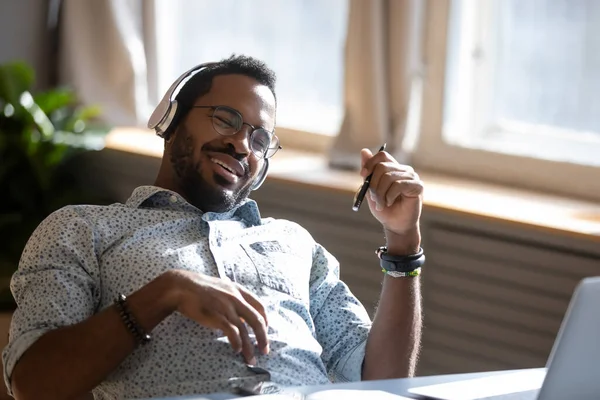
136, 330
399, 274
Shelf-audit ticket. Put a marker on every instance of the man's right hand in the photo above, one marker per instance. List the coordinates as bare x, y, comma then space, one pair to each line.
220, 304
69, 362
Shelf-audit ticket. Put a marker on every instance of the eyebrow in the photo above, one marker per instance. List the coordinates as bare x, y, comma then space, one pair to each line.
234, 110
244, 120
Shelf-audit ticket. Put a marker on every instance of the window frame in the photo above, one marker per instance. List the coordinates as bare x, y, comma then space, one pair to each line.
303, 140
436, 153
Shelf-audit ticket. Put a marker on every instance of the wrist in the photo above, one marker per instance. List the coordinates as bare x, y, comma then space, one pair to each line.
168, 290
154, 302
404, 243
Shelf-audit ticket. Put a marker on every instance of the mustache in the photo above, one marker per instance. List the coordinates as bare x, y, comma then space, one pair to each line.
230, 151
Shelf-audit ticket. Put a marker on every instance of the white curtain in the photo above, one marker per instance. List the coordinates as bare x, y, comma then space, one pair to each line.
382, 86
105, 47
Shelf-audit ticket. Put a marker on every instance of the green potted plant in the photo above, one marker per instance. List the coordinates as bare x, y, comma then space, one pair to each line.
40, 133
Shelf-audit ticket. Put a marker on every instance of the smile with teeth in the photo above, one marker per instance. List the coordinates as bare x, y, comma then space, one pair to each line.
222, 164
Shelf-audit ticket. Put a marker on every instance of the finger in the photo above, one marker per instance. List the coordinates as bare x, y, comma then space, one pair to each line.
254, 302
409, 188
379, 157
365, 155
387, 180
247, 346
383, 172
230, 330
256, 322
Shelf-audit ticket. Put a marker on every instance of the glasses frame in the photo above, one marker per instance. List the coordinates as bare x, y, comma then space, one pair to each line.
253, 129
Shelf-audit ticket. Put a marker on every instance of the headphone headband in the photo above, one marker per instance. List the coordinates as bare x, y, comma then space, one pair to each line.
163, 114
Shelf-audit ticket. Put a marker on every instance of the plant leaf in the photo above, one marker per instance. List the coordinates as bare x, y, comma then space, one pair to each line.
39, 135
15, 78
89, 112
55, 99
77, 121
39, 117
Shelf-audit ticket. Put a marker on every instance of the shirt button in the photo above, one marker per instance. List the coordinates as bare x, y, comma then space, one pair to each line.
173, 199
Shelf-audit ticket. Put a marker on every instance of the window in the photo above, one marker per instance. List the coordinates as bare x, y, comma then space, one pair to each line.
302, 40
515, 92
523, 77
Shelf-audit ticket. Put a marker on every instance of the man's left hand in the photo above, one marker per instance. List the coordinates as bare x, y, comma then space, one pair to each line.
395, 194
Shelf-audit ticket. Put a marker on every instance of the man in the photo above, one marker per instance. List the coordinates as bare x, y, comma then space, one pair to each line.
210, 287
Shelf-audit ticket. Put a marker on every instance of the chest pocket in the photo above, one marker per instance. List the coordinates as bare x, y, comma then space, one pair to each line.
277, 267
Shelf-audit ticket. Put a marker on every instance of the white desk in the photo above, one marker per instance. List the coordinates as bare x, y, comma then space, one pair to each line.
394, 386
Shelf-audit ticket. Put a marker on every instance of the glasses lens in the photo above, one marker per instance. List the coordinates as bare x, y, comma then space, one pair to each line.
264, 144
273, 148
226, 122
260, 142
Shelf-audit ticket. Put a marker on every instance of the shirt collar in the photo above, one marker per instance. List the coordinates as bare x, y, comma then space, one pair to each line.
157, 197
143, 193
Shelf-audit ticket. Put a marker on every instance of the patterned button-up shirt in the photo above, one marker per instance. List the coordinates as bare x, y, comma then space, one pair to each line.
81, 257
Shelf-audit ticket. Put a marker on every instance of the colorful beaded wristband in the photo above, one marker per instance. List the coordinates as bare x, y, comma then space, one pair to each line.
398, 274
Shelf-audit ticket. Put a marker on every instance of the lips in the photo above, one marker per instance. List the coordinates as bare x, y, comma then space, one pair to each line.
228, 163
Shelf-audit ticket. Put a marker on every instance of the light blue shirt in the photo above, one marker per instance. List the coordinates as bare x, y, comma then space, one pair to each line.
81, 257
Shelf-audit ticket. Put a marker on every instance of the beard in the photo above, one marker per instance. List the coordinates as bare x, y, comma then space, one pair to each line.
205, 195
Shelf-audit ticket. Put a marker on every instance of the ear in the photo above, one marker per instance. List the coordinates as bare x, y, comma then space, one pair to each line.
169, 138
175, 120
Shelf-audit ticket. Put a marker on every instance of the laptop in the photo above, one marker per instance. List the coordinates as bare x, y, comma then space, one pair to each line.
572, 370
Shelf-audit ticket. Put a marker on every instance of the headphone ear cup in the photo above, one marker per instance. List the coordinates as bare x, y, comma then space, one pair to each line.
158, 114
262, 175
165, 112
163, 129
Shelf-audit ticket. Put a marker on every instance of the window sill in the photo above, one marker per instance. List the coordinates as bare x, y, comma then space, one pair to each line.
569, 216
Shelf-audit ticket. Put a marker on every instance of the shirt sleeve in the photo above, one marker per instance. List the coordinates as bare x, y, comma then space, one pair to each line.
56, 283
342, 324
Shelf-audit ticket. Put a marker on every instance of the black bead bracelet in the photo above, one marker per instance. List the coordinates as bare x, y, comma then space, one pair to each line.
131, 324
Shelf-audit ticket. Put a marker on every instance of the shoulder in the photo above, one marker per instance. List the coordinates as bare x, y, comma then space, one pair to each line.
62, 219
71, 225
71, 231
72, 215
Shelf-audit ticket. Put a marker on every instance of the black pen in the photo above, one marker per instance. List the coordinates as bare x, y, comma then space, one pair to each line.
362, 191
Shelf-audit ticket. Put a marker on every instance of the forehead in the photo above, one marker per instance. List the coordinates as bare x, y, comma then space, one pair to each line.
254, 101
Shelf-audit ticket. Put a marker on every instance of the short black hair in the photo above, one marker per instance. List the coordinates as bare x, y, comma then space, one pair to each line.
200, 84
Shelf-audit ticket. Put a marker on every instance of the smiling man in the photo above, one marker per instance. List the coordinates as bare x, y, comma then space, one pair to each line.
185, 289
215, 172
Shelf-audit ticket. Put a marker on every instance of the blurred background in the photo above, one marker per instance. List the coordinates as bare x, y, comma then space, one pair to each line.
494, 102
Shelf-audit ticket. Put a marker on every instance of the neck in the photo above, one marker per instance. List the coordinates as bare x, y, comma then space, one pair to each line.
165, 180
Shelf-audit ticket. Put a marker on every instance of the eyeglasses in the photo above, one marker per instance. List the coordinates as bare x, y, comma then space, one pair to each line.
228, 121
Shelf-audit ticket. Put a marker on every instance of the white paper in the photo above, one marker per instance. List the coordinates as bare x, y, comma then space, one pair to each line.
496, 385
354, 395
333, 394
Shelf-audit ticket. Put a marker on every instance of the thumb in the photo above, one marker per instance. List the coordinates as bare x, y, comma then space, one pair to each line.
365, 155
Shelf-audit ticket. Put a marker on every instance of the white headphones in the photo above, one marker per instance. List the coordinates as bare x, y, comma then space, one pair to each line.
165, 112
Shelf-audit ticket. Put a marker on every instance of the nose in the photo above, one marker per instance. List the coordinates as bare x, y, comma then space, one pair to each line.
240, 141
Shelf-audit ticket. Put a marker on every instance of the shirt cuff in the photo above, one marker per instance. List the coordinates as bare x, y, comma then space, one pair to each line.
350, 366
14, 350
